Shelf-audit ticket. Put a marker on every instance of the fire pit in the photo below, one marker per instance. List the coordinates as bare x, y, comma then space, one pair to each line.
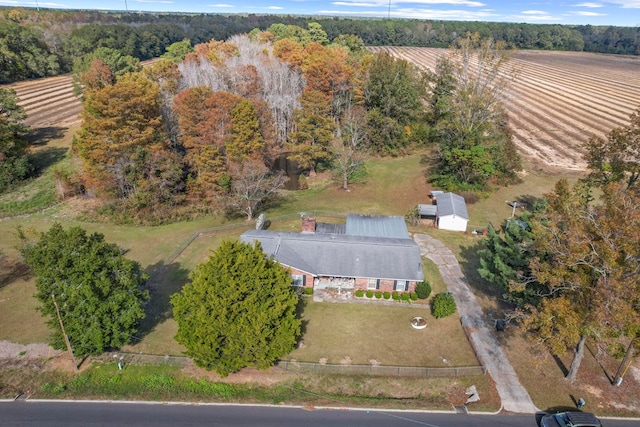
418, 322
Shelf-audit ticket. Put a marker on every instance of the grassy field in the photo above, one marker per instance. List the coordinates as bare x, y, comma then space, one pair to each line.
392, 186
361, 333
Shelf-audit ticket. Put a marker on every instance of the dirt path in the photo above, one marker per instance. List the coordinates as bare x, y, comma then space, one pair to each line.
9, 350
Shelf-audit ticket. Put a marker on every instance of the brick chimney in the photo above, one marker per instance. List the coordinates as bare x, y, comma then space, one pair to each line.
308, 224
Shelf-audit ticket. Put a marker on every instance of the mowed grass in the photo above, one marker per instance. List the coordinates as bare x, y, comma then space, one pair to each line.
361, 333
391, 186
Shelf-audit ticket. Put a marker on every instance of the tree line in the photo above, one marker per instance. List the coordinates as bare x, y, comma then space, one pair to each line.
46, 42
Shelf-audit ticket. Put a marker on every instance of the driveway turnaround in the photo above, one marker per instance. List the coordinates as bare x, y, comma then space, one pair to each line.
513, 395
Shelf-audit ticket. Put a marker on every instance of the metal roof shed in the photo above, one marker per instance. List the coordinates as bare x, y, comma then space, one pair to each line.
452, 212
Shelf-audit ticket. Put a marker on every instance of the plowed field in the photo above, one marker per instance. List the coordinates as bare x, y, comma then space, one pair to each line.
48, 102
560, 99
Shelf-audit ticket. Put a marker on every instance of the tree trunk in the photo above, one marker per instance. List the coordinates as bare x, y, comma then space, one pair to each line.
345, 182
577, 359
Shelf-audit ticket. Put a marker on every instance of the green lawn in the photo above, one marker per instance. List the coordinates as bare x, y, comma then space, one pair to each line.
360, 333
334, 332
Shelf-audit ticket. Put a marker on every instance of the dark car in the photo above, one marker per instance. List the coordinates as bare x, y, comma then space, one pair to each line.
570, 419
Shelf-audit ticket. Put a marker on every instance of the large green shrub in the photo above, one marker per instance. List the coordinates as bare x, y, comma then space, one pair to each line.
308, 291
216, 311
369, 293
378, 294
423, 289
443, 305
386, 295
359, 293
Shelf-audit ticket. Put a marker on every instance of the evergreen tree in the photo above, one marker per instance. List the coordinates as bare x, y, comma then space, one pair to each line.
99, 292
504, 261
14, 163
239, 310
246, 140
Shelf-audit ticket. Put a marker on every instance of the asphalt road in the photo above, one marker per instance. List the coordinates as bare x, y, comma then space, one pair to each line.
31, 413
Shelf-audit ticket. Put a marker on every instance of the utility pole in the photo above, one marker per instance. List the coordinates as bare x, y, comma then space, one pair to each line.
621, 369
66, 338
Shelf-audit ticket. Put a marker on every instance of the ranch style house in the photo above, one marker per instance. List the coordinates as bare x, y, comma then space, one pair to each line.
368, 252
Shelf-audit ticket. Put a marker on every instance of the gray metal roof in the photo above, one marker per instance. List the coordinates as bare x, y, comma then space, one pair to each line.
328, 228
428, 210
452, 204
341, 255
377, 226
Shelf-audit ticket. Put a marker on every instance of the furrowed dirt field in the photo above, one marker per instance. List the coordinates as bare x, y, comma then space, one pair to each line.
48, 102
560, 99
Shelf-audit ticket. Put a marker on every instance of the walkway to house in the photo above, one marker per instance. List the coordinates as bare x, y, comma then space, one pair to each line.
513, 395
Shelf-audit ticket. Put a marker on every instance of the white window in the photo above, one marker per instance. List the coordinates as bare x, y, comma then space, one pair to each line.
298, 279
401, 285
372, 284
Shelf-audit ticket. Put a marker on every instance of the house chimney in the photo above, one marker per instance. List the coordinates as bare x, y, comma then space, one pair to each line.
308, 224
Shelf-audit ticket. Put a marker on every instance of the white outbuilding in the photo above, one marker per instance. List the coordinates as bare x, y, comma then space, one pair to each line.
452, 212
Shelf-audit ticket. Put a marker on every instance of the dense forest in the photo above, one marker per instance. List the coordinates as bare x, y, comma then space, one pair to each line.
44, 43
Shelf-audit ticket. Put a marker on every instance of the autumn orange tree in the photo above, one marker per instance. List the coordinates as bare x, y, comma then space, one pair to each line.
588, 257
122, 142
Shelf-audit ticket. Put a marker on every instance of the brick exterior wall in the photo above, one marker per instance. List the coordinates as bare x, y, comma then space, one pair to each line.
308, 278
360, 282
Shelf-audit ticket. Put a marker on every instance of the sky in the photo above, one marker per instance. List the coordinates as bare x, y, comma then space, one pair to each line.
620, 12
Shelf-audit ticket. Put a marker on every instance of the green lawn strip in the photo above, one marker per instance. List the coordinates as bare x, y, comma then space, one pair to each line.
391, 187
361, 333
433, 276
20, 320
166, 383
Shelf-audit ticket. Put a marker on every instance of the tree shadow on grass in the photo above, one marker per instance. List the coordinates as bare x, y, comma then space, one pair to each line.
47, 157
561, 365
40, 137
164, 281
12, 270
469, 263
302, 303
595, 357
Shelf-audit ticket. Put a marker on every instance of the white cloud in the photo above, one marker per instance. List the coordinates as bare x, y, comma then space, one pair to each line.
534, 15
593, 5
585, 13
221, 5
355, 4
418, 13
32, 4
380, 3
265, 7
627, 4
